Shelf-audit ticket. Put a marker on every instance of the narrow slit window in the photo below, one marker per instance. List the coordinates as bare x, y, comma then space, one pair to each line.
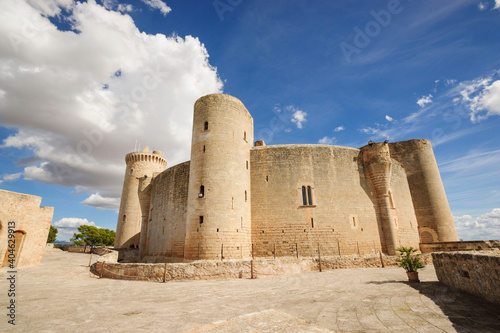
304, 196
201, 220
247, 165
391, 200
206, 125
245, 135
309, 195
202, 192
312, 222
124, 218
203, 148
245, 196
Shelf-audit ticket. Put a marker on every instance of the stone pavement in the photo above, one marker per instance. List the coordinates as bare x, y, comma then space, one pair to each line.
60, 296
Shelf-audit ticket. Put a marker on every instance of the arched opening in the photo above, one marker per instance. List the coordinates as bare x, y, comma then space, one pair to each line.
426, 237
14, 248
202, 192
309, 195
304, 196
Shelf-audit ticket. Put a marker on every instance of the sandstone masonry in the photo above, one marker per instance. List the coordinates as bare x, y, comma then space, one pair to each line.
31, 227
233, 200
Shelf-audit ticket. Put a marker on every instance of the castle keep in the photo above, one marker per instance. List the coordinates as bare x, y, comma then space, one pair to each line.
234, 199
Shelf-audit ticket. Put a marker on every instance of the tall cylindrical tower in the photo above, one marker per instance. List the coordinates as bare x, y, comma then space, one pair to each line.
218, 213
434, 218
139, 164
377, 162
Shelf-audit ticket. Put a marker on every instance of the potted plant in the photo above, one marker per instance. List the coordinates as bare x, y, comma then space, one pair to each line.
410, 261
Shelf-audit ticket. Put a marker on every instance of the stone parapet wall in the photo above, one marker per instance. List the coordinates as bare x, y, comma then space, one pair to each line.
476, 273
221, 270
459, 246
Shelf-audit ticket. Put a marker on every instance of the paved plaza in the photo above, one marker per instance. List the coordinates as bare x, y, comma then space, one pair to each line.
61, 296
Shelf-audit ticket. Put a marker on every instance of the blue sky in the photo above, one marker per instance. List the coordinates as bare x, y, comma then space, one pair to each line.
82, 82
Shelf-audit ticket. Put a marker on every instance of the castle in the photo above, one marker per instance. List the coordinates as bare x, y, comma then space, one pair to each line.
235, 200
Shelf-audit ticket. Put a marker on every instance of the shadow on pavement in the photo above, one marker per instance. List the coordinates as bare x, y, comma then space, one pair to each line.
468, 313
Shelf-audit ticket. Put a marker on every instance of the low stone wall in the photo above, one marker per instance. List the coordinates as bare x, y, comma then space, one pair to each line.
128, 255
215, 270
459, 246
475, 273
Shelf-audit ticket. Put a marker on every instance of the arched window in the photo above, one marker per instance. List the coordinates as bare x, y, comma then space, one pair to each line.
206, 125
202, 192
307, 196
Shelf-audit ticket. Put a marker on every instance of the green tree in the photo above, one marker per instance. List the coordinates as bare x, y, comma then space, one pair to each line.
52, 235
93, 236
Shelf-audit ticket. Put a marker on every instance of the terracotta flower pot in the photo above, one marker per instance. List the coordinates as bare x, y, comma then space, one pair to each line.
413, 276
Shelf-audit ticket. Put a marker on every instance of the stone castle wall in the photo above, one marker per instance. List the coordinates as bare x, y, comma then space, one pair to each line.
167, 217
343, 214
31, 220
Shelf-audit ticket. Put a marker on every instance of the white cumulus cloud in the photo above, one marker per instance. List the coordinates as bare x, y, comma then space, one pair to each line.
298, 116
80, 98
424, 100
339, 128
68, 226
97, 201
389, 118
497, 4
484, 227
72, 222
327, 141
482, 96
12, 177
158, 4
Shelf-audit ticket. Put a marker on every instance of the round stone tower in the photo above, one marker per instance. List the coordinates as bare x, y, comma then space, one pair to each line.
434, 218
139, 165
377, 162
218, 213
